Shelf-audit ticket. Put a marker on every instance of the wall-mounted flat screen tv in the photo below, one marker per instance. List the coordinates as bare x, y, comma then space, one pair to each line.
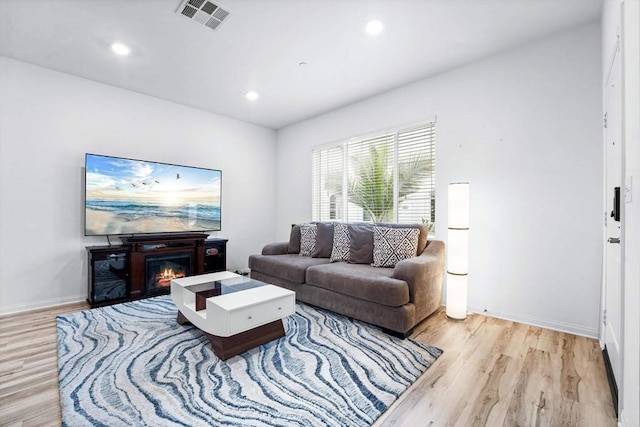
127, 196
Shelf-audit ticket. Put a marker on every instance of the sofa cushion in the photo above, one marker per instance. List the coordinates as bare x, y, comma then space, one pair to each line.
360, 281
341, 243
308, 233
290, 267
294, 239
361, 249
391, 245
324, 240
422, 238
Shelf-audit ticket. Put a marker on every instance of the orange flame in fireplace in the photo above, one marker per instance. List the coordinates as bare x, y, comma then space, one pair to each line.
164, 278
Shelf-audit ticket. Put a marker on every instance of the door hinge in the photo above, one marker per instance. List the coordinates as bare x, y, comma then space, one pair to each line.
604, 316
604, 120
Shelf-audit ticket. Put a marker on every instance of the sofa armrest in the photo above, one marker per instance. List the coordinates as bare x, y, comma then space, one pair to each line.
280, 248
424, 275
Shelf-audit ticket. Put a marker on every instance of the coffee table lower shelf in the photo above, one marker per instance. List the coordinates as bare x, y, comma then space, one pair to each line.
226, 347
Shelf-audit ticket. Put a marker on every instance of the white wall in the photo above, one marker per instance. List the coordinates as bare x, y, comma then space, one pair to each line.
626, 24
49, 120
524, 127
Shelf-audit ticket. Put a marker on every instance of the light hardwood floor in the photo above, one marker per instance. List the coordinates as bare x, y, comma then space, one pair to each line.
499, 373
493, 373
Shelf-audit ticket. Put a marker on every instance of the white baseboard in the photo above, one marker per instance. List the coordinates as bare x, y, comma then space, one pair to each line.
547, 324
36, 305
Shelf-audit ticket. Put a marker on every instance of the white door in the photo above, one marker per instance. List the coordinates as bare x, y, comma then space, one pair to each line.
613, 176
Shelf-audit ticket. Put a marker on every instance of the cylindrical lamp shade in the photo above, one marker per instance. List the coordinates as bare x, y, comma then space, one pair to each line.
458, 207
456, 296
458, 250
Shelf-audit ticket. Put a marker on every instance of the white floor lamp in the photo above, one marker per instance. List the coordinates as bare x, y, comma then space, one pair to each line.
458, 250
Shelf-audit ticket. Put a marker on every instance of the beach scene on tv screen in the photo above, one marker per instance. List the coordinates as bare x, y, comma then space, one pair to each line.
126, 196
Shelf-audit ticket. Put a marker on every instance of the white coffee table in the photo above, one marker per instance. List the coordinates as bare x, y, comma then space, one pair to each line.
235, 312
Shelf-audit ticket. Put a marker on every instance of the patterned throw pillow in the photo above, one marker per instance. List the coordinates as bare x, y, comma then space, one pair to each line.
391, 245
308, 233
341, 243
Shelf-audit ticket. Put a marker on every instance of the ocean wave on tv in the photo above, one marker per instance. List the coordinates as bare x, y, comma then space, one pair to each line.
132, 211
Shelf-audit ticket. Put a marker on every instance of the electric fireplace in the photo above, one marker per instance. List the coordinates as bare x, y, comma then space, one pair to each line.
153, 260
160, 269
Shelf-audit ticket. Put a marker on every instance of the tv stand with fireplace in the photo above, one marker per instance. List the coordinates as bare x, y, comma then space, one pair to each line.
144, 265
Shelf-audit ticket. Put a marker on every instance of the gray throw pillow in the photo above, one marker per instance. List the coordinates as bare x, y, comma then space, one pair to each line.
308, 233
294, 239
341, 243
324, 240
361, 248
391, 245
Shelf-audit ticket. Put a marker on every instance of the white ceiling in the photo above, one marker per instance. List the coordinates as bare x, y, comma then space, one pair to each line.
262, 42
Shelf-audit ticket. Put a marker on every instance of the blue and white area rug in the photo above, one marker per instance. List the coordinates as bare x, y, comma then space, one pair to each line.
132, 365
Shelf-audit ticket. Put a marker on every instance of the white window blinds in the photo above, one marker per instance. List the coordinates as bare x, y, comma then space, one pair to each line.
385, 178
327, 183
416, 175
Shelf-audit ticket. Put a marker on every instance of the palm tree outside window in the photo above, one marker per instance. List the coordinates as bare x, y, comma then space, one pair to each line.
388, 177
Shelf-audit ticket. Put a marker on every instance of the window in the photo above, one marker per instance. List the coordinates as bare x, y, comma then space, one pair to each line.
388, 177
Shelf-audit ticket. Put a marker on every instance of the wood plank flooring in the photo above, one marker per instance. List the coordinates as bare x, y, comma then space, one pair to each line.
493, 373
499, 373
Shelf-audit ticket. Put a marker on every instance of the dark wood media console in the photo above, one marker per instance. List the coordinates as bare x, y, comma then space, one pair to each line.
143, 266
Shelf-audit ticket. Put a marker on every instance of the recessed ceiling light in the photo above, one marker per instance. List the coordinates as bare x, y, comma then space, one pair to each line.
120, 48
252, 95
373, 27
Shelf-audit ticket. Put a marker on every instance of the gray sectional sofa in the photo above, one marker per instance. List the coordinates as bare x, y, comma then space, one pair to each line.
395, 298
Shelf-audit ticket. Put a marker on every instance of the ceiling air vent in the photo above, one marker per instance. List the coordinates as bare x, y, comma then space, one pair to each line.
205, 12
